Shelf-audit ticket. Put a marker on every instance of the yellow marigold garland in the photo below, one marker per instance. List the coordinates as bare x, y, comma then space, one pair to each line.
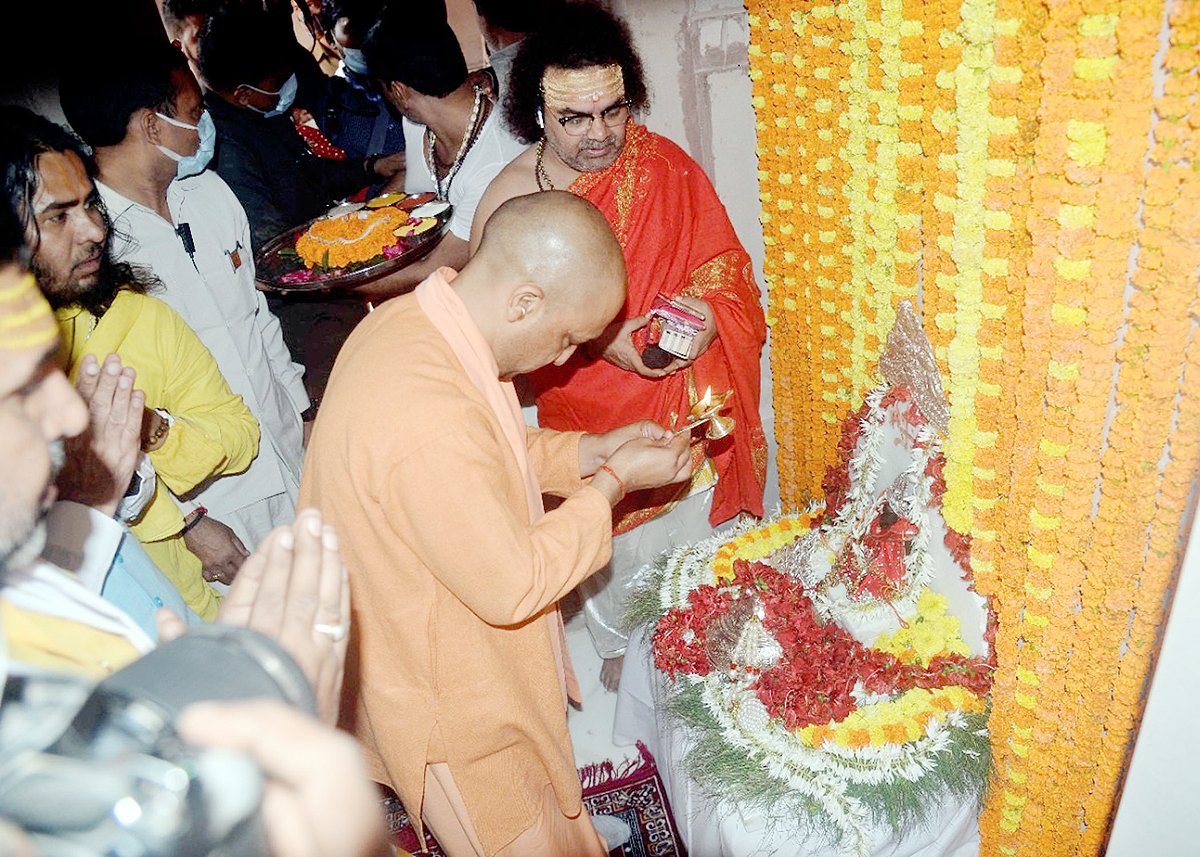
759, 542
1002, 144
899, 721
934, 632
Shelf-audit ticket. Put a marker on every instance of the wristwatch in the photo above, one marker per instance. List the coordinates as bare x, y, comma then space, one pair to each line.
193, 518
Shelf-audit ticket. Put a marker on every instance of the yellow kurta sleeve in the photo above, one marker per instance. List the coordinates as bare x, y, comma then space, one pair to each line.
214, 433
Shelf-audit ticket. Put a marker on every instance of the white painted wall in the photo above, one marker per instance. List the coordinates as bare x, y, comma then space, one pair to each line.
1158, 811
694, 56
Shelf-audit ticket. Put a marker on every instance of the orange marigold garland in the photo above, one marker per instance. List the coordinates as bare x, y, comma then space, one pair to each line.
1009, 180
1139, 506
356, 236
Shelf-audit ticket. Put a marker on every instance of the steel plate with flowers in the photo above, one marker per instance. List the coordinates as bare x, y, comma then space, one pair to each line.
354, 243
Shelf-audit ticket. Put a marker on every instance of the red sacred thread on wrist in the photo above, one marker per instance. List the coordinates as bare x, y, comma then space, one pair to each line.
613, 474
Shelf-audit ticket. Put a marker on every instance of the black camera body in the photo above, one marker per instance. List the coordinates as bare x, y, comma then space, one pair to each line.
110, 776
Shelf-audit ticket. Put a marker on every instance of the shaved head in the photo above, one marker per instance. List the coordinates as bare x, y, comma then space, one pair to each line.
549, 275
551, 238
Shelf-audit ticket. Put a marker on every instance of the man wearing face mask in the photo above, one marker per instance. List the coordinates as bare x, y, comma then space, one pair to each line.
145, 121
247, 60
195, 429
348, 22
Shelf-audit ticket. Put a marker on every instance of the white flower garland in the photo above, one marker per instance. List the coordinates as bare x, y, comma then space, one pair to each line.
866, 618
824, 774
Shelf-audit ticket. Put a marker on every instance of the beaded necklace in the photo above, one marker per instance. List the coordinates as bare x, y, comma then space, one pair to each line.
539, 169
474, 126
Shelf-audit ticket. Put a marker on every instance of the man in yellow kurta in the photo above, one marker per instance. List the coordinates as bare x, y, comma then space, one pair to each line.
457, 674
196, 428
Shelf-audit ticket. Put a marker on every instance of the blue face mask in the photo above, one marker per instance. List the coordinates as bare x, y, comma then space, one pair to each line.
194, 164
355, 60
286, 95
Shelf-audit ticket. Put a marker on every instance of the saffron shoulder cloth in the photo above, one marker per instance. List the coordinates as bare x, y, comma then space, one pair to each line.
677, 240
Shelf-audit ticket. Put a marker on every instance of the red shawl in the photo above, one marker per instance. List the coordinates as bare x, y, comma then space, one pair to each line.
677, 240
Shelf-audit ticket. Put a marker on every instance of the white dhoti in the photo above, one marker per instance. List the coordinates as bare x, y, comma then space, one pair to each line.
606, 593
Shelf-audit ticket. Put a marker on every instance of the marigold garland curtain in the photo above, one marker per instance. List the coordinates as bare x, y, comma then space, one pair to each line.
1029, 174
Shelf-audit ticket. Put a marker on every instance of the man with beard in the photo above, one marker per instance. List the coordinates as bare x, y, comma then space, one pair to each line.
576, 84
143, 116
195, 428
60, 636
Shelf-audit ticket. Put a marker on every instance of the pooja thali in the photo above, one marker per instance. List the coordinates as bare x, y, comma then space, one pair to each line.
354, 242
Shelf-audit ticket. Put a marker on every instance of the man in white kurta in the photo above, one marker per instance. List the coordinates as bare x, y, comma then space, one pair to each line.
214, 291
145, 121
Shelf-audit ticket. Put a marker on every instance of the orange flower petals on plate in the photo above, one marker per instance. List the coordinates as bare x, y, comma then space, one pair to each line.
334, 242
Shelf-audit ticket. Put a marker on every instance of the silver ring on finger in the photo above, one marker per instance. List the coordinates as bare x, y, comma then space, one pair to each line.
335, 632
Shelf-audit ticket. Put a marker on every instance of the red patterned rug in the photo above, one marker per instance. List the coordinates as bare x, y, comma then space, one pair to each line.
632, 791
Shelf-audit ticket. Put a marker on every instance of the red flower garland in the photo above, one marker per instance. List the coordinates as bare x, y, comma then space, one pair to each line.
814, 680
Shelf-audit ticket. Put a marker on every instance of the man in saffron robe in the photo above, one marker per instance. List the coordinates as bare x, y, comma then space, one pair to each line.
457, 674
575, 84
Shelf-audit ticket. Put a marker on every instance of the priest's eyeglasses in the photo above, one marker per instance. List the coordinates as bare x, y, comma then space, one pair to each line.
578, 124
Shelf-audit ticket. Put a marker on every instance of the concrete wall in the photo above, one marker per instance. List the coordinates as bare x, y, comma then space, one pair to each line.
695, 57
1157, 812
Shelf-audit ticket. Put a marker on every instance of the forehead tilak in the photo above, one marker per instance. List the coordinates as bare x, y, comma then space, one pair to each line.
26, 320
565, 86
62, 177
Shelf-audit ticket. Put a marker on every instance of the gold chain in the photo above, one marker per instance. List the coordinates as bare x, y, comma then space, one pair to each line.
539, 169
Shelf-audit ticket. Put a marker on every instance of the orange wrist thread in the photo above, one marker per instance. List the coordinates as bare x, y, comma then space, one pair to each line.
613, 474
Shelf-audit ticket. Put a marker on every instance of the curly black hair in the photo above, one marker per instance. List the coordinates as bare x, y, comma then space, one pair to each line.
574, 36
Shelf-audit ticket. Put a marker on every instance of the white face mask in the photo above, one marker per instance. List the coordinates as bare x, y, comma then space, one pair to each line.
195, 163
286, 95
355, 60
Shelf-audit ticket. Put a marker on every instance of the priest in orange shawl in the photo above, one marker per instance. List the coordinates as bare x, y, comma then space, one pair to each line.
575, 85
